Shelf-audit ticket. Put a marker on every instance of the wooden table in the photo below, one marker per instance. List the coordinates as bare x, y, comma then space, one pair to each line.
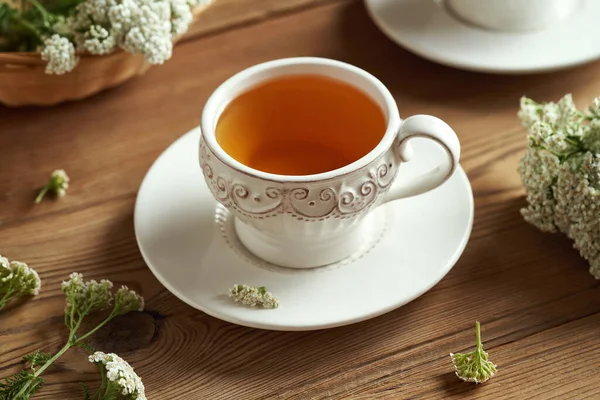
539, 307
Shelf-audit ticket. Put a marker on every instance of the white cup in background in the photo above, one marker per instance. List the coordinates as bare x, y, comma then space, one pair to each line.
512, 15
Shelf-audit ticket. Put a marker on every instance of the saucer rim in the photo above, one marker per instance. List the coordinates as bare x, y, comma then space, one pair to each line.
307, 327
435, 57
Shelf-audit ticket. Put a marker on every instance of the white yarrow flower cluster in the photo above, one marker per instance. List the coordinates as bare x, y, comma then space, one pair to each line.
57, 184
60, 182
564, 113
86, 297
4, 265
561, 173
253, 296
120, 374
128, 300
28, 278
17, 279
98, 295
75, 282
59, 53
99, 27
475, 366
181, 16
150, 32
98, 40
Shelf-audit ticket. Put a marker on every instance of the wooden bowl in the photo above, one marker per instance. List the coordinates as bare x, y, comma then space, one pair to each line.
24, 82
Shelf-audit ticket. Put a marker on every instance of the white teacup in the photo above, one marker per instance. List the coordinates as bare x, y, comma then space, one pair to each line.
314, 220
513, 15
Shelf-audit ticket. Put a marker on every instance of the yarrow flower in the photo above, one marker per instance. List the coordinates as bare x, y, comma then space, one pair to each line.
99, 27
474, 366
253, 296
17, 279
561, 173
563, 113
61, 32
98, 40
181, 16
59, 53
128, 300
120, 376
82, 298
58, 184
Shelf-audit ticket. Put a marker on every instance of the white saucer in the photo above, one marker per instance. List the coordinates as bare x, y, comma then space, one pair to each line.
188, 242
427, 29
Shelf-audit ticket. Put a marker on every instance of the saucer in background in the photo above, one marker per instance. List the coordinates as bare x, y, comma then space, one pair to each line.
428, 29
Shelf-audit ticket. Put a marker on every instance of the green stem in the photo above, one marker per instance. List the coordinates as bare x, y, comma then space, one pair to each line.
108, 388
75, 328
98, 395
100, 325
43, 368
43, 192
62, 351
478, 336
70, 343
40, 8
71, 315
5, 299
31, 27
72, 338
66, 320
573, 143
10, 292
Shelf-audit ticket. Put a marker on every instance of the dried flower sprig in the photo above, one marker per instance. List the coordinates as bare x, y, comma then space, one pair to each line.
16, 280
253, 296
474, 366
57, 184
118, 377
82, 299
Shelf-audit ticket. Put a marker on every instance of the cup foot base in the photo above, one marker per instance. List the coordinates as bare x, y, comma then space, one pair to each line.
311, 251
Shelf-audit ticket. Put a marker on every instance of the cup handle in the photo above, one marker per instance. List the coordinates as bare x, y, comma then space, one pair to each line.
429, 127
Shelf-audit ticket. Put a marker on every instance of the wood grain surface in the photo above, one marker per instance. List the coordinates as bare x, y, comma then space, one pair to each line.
539, 307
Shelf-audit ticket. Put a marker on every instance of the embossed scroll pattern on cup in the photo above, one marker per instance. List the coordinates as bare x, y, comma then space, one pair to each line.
310, 201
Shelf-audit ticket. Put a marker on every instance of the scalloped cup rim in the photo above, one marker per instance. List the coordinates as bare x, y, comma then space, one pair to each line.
222, 96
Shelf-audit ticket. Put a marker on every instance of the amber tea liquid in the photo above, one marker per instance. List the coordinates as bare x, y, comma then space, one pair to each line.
300, 125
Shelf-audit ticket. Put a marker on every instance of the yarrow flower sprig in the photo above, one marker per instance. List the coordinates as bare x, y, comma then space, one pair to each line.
17, 279
561, 172
59, 53
253, 296
99, 27
82, 299
474, 366
57, 184
118, 377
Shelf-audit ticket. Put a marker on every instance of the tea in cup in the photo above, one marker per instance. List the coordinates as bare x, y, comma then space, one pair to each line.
301, 150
